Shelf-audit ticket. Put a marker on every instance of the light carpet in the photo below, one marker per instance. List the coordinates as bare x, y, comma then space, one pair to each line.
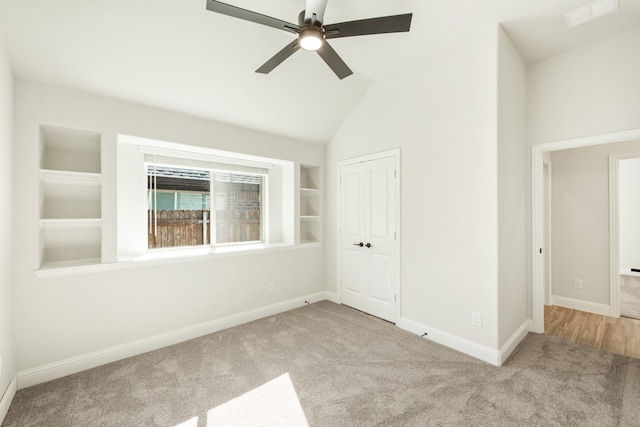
329, 365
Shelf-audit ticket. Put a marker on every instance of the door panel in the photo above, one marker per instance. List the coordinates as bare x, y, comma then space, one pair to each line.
381, 222
380, 277
352, 232
379, 202
352, 209
352, 270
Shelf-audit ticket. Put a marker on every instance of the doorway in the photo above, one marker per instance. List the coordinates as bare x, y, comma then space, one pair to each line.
538, 215
369, 234
625, 206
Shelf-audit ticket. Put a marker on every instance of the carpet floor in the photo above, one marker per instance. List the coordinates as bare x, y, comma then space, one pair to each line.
329, 365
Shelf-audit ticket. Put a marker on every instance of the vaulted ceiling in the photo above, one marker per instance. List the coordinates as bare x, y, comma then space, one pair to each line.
178, 56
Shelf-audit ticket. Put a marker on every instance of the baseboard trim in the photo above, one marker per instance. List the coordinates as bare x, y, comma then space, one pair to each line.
83, 362
576, 304
7, 398
513, 342
473, 349
333, 297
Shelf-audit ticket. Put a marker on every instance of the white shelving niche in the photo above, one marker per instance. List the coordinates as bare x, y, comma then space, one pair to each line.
70, 198
310, 206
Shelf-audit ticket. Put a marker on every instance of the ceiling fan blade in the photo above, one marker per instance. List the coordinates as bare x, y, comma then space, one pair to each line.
382, 25
279, 57
247, 15
315, 7
334, 61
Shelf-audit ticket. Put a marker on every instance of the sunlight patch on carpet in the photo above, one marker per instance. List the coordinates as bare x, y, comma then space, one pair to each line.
193, 422
274, 403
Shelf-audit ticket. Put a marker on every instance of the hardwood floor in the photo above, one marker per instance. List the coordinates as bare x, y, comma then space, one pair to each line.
617, 335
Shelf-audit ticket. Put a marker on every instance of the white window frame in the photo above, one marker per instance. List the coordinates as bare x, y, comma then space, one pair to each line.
264, 180
277, 225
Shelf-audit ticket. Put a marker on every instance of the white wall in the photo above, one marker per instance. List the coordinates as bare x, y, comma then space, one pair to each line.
580, 220
6, 221
441, 113
629, 212
59, 318
512, 87
587, 91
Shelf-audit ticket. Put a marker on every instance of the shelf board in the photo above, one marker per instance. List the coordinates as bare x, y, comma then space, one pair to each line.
69, 223
49, 176
309, 191
57, 268
309, 217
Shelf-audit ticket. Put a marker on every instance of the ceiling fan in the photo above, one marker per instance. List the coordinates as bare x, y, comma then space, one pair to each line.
313, 34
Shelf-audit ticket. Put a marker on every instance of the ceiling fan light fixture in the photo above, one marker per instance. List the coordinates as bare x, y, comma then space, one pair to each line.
311, 38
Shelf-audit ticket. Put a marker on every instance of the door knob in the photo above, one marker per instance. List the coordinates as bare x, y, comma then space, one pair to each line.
368, 245
359, 244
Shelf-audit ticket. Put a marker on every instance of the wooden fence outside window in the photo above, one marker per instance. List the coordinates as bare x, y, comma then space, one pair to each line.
189, 228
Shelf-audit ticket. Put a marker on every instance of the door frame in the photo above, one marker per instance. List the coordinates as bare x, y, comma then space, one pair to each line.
548, 209
374, 156
537, 215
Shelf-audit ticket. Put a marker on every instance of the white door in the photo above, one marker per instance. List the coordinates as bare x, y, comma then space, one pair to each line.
368, 255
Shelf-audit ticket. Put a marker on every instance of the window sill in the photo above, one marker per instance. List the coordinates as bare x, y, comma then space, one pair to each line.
208, 251
163, 257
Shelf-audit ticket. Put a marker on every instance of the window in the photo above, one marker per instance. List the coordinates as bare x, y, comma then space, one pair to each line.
238, 210
179, 210
178, 200
179, 206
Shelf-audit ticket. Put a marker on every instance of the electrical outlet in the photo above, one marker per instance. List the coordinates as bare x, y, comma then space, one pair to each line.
577, 283
476, 319
271, 287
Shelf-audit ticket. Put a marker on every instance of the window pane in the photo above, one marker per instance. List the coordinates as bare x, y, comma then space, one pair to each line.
166, 200
193, 201
179, 203
238, 208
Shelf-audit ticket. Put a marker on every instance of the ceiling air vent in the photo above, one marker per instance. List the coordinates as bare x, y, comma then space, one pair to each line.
590, 12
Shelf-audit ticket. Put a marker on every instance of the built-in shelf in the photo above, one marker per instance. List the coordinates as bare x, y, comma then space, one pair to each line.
71, 150
70, 198
70, 255
67, 194
309, 217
